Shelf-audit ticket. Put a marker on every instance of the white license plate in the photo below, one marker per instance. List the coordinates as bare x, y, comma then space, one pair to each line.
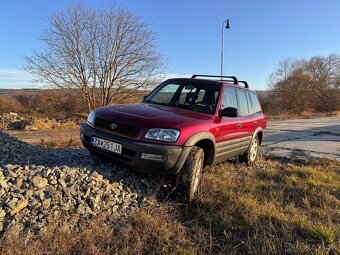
106, 145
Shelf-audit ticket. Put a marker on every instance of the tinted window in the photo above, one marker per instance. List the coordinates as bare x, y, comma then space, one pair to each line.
242, 102
229, 98
255, 103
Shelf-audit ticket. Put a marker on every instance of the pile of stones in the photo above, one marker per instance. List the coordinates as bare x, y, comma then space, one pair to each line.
39, 186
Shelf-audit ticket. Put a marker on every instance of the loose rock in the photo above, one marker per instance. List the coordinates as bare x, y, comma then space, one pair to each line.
38, 185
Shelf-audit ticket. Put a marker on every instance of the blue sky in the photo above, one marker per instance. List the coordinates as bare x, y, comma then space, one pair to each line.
262, 33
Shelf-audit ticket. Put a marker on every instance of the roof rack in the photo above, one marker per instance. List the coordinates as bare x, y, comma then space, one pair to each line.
245, 84
235, 81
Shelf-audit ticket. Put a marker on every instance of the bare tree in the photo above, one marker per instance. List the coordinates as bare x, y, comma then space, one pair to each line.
324, 73
300, 85
294, 93
102, 55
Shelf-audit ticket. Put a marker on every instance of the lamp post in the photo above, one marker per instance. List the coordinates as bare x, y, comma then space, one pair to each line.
227, 26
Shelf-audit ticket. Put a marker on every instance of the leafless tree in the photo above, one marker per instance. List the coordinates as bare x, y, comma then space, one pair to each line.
324, 73
101, 55
300, 85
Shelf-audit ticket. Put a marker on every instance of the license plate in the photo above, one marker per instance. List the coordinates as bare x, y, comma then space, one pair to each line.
106, 145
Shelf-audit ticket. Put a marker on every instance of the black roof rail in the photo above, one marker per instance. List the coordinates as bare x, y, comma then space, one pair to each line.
245, 84
235, 81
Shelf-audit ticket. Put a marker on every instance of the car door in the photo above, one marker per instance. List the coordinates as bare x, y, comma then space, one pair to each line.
228, 134
246, 120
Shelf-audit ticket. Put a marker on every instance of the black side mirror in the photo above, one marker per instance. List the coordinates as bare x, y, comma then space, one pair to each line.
229, 112
144, 97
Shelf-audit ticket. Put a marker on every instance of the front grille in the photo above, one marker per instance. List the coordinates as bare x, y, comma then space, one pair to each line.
119, 128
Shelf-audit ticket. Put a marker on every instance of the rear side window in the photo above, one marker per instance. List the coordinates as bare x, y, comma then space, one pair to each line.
242, 102
250, 104
229, 98
256, 108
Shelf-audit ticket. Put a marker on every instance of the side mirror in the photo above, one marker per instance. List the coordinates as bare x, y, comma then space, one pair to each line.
144, 97
228, 112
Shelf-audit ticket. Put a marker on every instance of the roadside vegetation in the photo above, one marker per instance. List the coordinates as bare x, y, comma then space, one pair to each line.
304, 86
57, 140
279, 206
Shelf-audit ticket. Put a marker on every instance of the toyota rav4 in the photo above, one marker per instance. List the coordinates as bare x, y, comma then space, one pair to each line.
182, 126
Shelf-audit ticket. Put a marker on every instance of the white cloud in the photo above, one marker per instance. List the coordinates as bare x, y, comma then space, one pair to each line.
166, 76
15, 79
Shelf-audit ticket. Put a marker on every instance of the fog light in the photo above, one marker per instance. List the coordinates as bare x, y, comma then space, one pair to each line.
153, 156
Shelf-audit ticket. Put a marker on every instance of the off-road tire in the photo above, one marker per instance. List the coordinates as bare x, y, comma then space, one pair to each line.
188, 179
250, 156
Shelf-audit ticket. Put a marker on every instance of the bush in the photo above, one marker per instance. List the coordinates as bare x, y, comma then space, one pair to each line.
9, 104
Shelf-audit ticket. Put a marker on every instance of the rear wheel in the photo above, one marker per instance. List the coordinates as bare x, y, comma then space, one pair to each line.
250, 156
188, 179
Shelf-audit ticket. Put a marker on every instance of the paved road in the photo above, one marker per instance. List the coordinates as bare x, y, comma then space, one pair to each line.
318, 137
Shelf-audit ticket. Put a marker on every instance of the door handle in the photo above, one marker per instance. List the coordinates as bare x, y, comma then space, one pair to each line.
239, 125
255, 122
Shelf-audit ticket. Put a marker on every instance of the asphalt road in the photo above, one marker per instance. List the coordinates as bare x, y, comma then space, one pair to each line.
319, 137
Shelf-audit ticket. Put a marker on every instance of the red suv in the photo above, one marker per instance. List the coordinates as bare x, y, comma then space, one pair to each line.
180, 127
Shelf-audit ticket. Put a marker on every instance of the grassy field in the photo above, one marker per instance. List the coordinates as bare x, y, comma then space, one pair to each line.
276, 207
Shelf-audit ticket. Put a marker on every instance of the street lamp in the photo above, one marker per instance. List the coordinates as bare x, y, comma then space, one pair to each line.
227, 26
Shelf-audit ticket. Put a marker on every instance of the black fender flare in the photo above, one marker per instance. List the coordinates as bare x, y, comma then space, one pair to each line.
259, 129
194, 139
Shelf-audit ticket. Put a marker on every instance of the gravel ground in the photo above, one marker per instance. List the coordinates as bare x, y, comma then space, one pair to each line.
39, 185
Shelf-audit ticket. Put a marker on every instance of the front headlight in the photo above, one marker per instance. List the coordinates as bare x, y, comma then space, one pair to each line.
162, 134
90, 118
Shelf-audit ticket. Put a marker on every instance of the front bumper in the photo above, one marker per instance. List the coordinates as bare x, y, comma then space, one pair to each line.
132, 150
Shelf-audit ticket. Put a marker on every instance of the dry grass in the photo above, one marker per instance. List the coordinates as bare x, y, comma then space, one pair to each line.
58, 140
303, 115
278, 207
149, 231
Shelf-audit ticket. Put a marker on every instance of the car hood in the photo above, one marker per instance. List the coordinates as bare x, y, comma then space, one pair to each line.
146, 115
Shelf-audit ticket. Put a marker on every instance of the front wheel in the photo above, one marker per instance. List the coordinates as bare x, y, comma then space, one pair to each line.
250, 156
188, 179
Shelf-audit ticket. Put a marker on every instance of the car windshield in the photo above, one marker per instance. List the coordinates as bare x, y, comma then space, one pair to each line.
194, 96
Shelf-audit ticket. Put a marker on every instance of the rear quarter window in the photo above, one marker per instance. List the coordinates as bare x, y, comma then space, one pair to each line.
256, 108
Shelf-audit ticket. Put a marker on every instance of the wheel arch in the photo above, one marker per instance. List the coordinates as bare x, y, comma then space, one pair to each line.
206, 141
259, 132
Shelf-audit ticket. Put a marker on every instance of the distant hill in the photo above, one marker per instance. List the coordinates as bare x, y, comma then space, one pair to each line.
15, 92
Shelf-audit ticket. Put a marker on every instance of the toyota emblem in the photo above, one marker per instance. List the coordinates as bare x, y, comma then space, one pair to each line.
113, 126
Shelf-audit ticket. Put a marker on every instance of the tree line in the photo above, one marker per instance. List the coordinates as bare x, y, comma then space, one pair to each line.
305, 85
